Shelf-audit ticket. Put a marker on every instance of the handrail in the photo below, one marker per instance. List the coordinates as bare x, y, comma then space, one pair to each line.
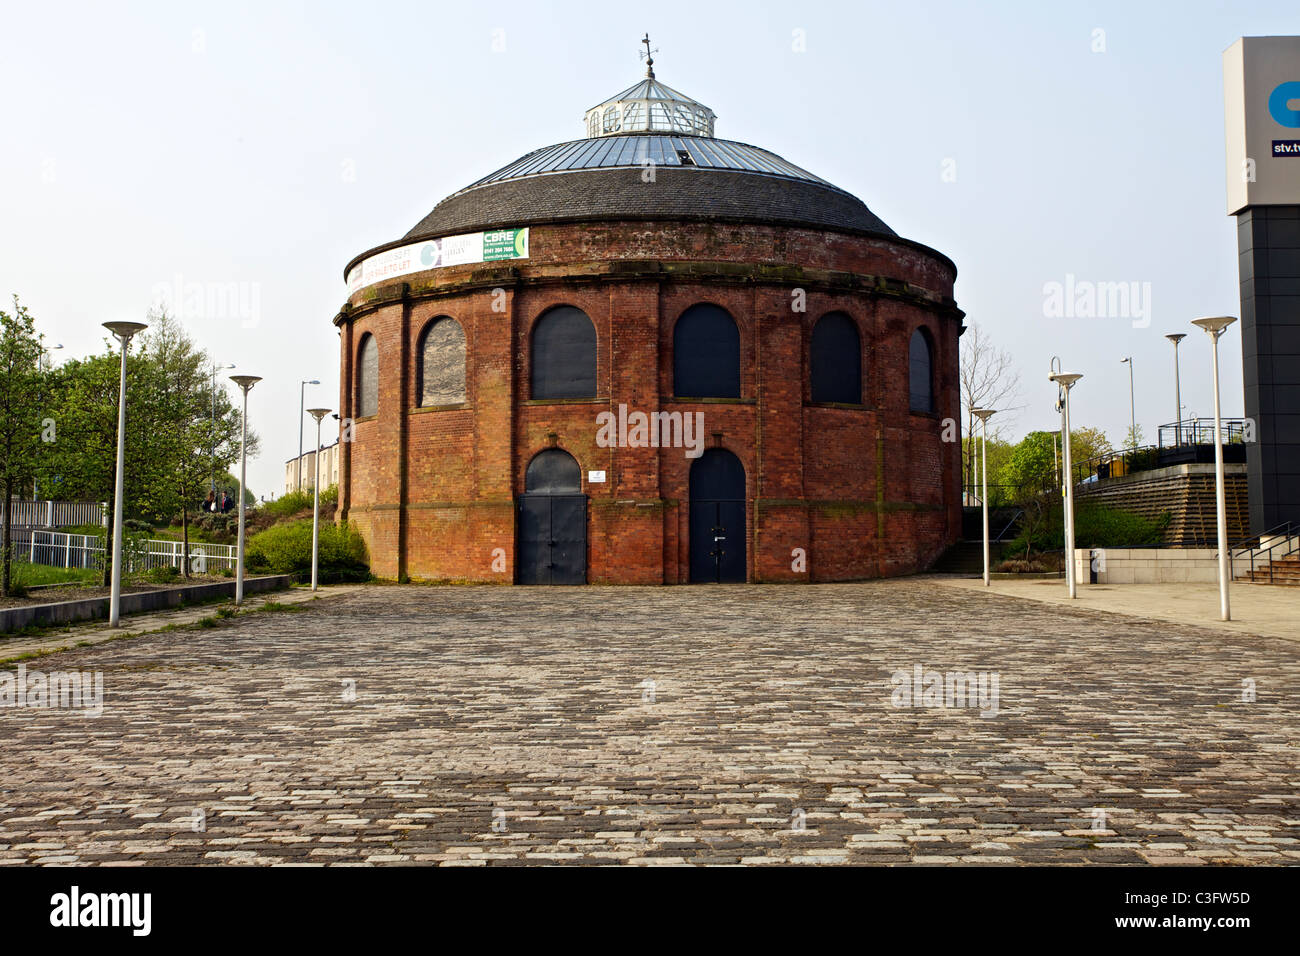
1283, 528
1010, 524
1284, 531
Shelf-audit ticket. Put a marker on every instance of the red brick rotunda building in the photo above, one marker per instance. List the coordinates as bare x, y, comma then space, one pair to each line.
650, 356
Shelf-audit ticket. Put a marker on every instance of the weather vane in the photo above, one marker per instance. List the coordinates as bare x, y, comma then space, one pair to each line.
648, 56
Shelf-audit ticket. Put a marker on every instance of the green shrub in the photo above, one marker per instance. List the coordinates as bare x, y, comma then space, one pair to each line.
1095, 526
287, 504
163, 574
286, 549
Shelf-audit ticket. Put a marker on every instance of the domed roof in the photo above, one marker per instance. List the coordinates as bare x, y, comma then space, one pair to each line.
649, 154
649, 176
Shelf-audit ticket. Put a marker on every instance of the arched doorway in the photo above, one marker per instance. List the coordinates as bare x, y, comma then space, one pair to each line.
552, 521
717, 518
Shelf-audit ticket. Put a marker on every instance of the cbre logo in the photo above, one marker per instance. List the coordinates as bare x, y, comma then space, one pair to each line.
1279, 104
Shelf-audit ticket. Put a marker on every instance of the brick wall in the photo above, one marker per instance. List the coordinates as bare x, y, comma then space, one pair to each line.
863, 491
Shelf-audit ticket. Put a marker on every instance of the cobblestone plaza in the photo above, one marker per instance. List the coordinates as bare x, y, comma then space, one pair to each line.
490, 725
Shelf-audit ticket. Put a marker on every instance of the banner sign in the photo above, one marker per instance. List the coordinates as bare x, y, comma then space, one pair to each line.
437, 253
1261, 90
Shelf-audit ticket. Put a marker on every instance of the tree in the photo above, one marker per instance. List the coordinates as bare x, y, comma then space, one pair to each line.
1133, 437
176, 421
20, 416
988, 380
185, 430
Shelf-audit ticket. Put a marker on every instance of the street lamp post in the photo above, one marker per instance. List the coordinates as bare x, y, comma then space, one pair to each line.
213, 443
245, 382
123, 332
1066, 382
984, 414
1177, 337
302, 401
1132, 414
1214, 327
43, 359
318, 414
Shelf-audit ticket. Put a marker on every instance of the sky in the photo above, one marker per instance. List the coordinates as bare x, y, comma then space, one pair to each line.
232, 158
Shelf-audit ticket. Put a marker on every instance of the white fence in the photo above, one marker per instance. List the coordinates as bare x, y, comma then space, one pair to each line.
53, 514
58, 550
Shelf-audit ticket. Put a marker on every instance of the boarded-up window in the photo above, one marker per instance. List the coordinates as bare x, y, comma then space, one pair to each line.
367, 377
564, 355
920, 374
442, 363
836, 360
706, 354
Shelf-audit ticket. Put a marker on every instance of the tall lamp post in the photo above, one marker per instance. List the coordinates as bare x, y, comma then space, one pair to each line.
1066, 381
1177, 337
1214, 327
245, 382
43, 359
1132, 414
984, 414
123, 331
213, 446
302, 402
318, 414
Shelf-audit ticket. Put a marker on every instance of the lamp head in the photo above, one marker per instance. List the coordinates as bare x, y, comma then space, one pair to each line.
1128, 360
318, 413
983, 414
1176, 337
245, 381
124, 330
311, 381
1065, 379
1215, 324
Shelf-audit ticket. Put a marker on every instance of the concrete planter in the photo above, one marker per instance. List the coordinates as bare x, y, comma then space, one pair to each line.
69, 612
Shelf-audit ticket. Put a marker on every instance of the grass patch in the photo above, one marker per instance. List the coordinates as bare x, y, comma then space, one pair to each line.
278, 607
30, 575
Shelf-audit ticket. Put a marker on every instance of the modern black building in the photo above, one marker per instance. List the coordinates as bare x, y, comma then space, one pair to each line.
1261, 83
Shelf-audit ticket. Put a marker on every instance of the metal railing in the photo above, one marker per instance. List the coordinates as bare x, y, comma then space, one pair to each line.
1285, 535
53, 514
1200, 431
58, 550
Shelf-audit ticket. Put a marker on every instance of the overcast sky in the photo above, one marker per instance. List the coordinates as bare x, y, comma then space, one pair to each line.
255, 148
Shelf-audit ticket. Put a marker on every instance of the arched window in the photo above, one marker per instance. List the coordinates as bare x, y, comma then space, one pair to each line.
553, 471
564, 355
440, 373
367, 377
920, 374
835, 362
612, 119
706, 354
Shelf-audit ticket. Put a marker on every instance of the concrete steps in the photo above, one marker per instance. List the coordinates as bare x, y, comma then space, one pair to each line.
1284, 571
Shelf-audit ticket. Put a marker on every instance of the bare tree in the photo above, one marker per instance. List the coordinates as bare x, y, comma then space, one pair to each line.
988, 380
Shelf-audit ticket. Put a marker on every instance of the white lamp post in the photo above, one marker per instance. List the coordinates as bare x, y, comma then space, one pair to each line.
318, 414
43, 360
984, 414
245, 382
1066, 381
123, 332
1214, 327
1177, 337
302, 401
213, 447
1132, 413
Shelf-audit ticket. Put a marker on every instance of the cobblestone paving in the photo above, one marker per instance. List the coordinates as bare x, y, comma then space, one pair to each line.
517, 725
